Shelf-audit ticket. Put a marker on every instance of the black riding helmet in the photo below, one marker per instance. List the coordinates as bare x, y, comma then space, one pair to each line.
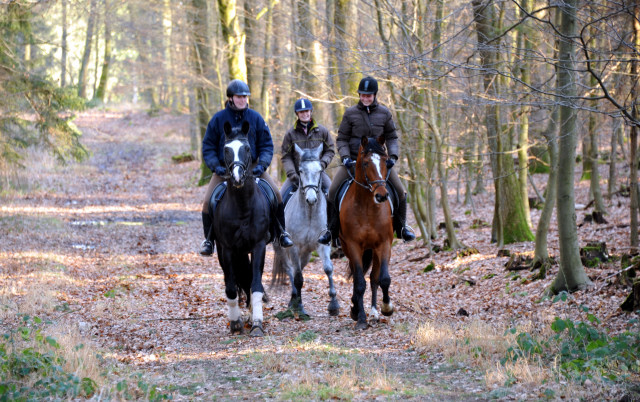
368, 85
238, 87
302, 104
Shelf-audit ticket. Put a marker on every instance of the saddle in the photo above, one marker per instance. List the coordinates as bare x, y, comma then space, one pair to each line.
266, 190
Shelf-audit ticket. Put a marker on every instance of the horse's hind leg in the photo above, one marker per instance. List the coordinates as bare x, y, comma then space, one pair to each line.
325, 253
375, 316
359, 286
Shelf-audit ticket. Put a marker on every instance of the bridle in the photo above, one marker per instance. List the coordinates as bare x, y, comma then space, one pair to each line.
314, 187
369, 184
243, 164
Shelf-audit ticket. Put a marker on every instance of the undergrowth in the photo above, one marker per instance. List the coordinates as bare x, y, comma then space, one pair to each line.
582, 350
32, 367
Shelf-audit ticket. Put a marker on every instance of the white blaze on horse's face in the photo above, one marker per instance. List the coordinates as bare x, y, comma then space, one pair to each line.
310, 180
377, 162
236, 146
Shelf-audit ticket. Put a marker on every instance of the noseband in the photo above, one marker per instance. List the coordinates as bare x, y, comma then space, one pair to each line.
314, 187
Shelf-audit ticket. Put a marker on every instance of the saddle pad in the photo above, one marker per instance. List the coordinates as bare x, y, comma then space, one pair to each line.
342, 191
216, 196
268, 192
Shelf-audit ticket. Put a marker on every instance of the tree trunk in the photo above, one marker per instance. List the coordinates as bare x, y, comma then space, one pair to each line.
571, 275
541, 254
234, 39
202, 62
525, 36
82, 74
346, 33
104, 76
633, 138
613, 158
266, 68
63, 59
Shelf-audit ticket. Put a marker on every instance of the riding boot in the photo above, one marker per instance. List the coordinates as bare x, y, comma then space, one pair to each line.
206, 248
325, 237
283, 237
403, 231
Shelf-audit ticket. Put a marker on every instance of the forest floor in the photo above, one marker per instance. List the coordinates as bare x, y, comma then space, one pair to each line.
105, 251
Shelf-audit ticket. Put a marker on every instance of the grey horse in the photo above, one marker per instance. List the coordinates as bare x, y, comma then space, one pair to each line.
306, 217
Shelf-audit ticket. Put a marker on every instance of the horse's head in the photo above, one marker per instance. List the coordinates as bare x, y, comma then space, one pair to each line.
371, 167
310, 172
237, 152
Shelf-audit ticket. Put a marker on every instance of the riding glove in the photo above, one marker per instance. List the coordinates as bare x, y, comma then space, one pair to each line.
390, 163
221, 170
348, 162
258, 171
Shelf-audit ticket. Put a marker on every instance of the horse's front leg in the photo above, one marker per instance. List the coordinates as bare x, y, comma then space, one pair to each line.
359, 286
231, 290
257, 290
385, 282
325, 253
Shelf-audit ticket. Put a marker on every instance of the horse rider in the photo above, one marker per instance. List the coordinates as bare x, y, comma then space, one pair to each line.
306, 133
236, 112
371, 119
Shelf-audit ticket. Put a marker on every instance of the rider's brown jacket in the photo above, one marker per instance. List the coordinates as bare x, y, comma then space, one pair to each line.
317, 135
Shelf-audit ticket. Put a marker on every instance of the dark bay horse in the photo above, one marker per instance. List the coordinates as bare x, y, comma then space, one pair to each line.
241, 229
306, 217
366, 229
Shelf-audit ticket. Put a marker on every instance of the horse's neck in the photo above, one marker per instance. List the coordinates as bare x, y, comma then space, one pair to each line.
243, 195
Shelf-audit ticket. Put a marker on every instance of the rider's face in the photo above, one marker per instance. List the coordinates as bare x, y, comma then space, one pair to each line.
304, 116
240, 101
367, 99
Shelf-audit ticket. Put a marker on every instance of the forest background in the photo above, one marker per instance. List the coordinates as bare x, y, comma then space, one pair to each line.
485, 94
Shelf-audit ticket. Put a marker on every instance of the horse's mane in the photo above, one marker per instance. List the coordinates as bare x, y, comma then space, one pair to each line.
375, 147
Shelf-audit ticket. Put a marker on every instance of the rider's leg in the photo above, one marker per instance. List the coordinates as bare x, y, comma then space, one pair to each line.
333, 217
283, 237
403, 231
207, 246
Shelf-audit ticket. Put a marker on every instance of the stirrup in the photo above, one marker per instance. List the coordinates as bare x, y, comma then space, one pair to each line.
407, 234
325, 237
285, 240
206, 248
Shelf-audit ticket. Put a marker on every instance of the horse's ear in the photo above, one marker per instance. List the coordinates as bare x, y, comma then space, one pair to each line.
299, 150
227, 129
245, 127
364, 141
380, 140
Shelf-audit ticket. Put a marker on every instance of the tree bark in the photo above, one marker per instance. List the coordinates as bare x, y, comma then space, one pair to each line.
82, 74
572, 275
63, 59
104, 76
633, 136
234, 39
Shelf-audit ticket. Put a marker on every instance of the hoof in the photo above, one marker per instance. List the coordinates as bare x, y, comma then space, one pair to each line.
387, 309
236, 327
362, 325
256, 331
334, 308
354, 313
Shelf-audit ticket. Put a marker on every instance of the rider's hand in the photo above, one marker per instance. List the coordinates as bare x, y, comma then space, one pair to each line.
258, 170
348, 162
221, 171
390, 163
294, 179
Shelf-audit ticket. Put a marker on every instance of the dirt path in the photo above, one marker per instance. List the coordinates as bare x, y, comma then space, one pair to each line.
116, 237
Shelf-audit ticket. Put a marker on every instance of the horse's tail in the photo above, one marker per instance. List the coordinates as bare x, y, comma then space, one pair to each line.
279, 273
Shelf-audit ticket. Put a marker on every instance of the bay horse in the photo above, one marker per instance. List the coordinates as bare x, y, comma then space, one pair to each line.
241, 231
306, 217
366, 229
